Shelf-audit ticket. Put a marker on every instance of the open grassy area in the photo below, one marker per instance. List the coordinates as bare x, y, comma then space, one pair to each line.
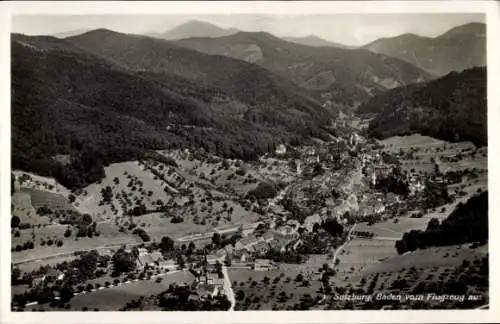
125, 179
427, 148
282, 291
432, 267
72, 245
157, 226
115, 297
21, 200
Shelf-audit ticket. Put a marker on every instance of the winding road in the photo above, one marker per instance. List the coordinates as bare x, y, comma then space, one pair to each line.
228, 288
348, 239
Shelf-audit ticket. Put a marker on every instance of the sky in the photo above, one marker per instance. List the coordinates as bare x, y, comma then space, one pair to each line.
348, 29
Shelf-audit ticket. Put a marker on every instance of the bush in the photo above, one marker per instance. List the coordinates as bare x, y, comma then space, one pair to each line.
15, 221
263, 191
24, 225
177, 219
142, 234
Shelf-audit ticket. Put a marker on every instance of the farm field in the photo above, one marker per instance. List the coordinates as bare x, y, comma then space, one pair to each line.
72, 245
422, 267
441, 257
427, 148
131, 180
21, 200
36, 264
360, 254
115, 297
157, 226
264, 296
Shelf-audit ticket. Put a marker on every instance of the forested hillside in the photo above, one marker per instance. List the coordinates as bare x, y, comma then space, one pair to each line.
451, 108
67, 100
468, 223
341, 75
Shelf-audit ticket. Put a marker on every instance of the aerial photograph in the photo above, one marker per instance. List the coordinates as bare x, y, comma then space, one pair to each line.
240, 162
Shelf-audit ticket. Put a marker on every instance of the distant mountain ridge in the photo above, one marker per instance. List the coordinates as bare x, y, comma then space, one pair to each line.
195, 28
70, 33
338, 75
313, 40
451, 108
458, 49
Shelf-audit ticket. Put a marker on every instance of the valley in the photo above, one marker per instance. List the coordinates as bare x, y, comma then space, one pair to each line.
206, 199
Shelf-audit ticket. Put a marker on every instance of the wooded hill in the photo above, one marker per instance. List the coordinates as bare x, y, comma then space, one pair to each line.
139, 94
452, 108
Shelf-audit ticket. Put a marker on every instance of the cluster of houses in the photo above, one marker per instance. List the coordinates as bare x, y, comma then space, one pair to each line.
52, 275
208, 285
155, 260
251, 250
415, 185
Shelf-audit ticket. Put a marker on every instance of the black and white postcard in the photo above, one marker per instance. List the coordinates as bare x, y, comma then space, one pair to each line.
218, 162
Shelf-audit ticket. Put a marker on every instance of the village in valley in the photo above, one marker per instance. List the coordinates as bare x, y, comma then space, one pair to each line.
209, 232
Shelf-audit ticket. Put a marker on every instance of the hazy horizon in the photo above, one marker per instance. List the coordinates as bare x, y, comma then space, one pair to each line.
348, 29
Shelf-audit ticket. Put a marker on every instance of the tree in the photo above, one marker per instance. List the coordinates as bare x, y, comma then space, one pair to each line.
66, 293
240, 295
332, 226
166, 244
218, 267
318, 169
86, 219
123, 262
432, 225
15, 275
15, 221
107, 194
67, 233
12, 183
180, 261
227, 260
216, 239
263, 191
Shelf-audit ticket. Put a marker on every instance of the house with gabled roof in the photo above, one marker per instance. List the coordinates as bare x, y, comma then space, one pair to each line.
261, 248
242, 255
277, 246
148, 259
221, 253
263, 265
246, 242
268, 237
311, 220
167, 265
205, 290
53, 275
213, 258
229, 249
213, 279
